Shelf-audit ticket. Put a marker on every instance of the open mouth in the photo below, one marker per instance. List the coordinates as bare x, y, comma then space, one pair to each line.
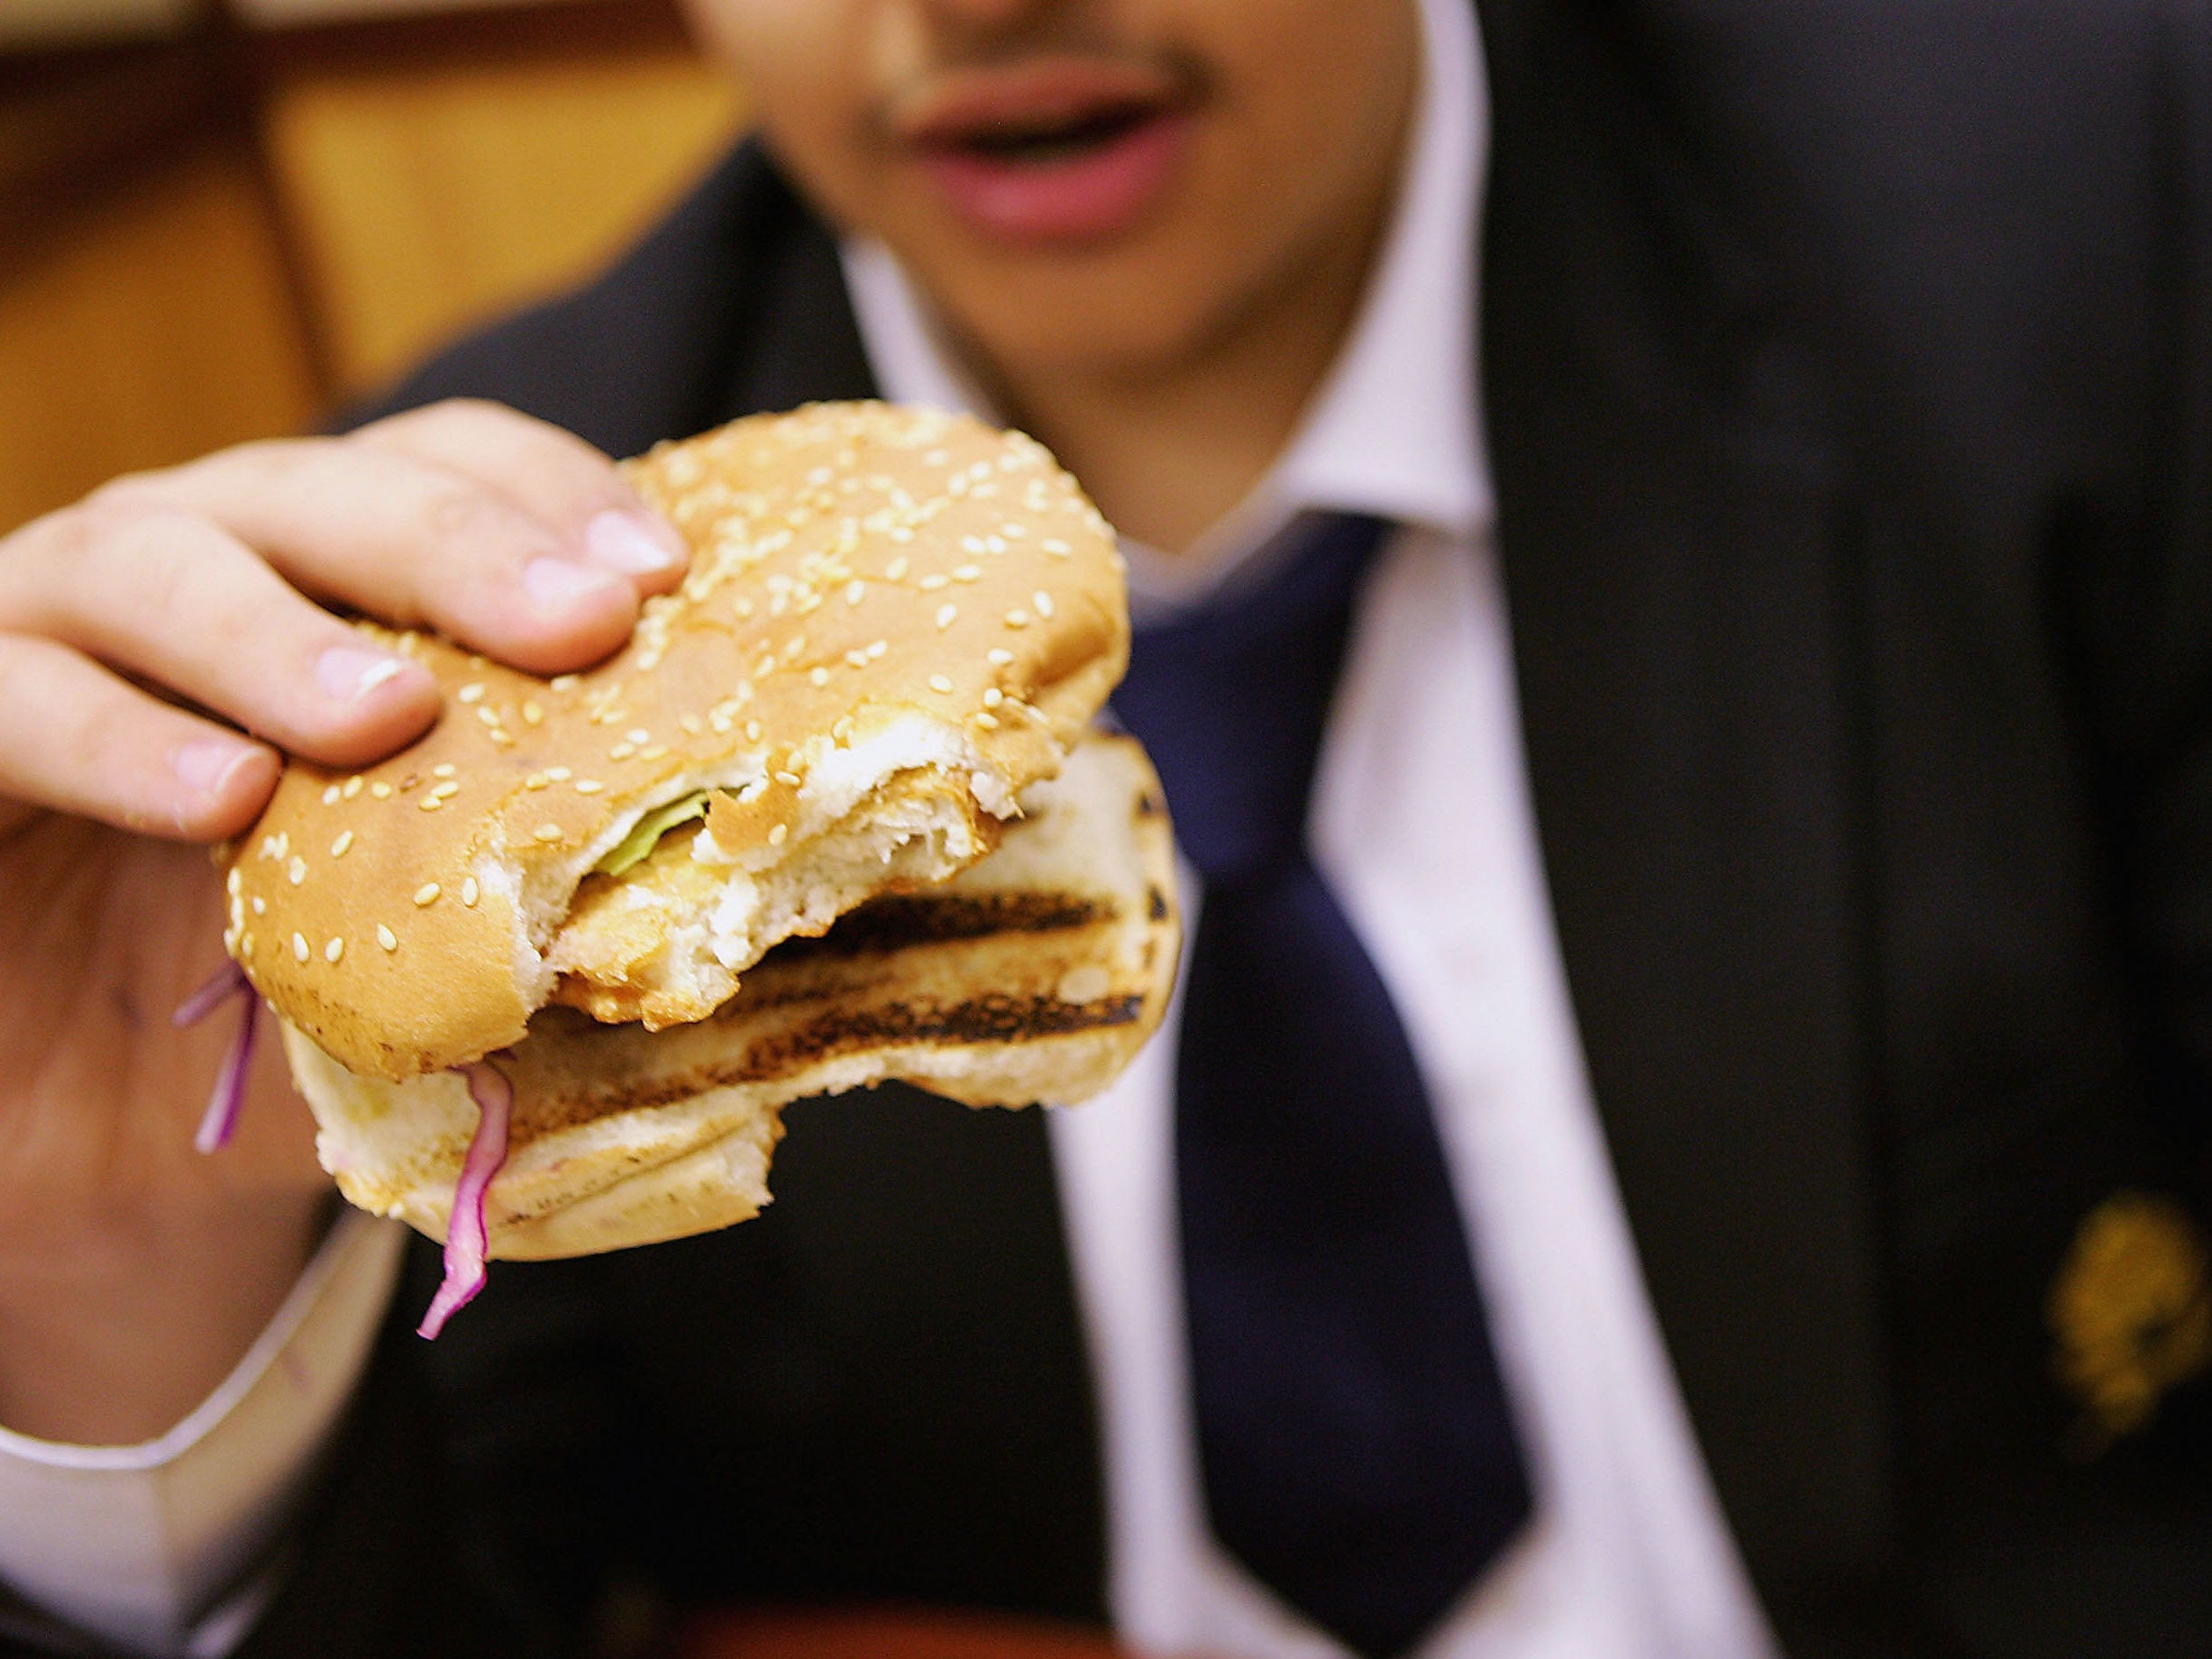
1050, 143
1050, 150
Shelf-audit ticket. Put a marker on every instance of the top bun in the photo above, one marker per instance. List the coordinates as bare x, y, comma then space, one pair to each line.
895, 621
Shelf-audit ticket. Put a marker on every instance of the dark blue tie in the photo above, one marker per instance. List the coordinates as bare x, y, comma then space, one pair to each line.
1358, 1454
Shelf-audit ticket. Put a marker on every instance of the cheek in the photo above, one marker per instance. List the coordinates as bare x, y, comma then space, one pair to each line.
803, 66
1319, 92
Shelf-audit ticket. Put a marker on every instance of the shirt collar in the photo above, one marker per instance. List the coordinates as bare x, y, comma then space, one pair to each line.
1395, 427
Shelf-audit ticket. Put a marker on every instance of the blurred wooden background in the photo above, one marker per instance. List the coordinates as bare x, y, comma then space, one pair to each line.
222, 227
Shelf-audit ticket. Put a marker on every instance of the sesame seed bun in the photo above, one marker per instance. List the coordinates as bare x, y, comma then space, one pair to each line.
896, 622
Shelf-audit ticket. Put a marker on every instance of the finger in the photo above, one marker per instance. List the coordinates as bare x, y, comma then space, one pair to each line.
554, 475
170, 598
76, 738
413, 544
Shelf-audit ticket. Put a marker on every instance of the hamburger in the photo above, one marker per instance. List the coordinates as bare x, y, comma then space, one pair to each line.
837, 814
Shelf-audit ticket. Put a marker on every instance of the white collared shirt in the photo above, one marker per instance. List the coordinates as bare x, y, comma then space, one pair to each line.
1421, 821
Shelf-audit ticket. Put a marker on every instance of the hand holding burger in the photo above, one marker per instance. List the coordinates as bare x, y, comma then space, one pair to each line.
882, 667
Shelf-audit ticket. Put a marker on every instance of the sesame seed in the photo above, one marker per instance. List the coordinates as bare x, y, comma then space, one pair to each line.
232, 883
1017, 618
765, 666
901, 532
338, 847
300, 947
989, 722
333, 949
968, 573
352, 787
946, 616
547, 832
637, 735
470, 693
487, 714
444, 768
429, 803
501, 738
1043, 601
532, 712
381, 790
934, 580
589, 786
752, 731
654, 752
776, 835
1056, 547
387, 938
895, 571
996, 545
426, 894
993, 698
941, 684
842, 730
261, 905
858, 656
971, 544
535, 780
559, 774
789, 778
818, 677
855, 591
1012, 532
719, 721
296, 871
997, 656
562, 682
468, 892
621, 751
330, 796
692, 724
445, 791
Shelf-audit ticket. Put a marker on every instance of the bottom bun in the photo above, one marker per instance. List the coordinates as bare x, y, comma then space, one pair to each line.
1035, 975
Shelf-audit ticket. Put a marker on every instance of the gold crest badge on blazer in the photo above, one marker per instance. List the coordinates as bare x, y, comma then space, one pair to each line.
2132, 1311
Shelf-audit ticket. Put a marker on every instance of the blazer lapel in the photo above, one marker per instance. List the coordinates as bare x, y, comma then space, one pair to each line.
1676, 560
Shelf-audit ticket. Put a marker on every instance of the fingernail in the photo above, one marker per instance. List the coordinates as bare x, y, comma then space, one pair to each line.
559, 584
630, 543
206, 764
347, 673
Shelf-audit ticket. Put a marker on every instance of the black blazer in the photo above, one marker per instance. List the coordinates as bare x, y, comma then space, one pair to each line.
1848, 382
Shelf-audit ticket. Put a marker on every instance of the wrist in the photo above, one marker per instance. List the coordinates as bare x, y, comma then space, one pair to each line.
112, 1337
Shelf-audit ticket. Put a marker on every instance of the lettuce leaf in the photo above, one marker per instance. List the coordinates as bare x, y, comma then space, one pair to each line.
649, 829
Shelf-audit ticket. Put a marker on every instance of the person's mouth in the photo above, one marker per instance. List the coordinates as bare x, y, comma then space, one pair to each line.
1063, 149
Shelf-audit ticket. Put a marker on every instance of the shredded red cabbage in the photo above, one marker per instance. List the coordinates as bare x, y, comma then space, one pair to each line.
220, 1118
467, 1236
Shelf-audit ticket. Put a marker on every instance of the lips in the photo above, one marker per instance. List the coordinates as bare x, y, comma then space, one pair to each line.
1049, 151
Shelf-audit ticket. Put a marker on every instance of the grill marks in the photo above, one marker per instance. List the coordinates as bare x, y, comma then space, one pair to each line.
898, 920
850, 972
989, 1018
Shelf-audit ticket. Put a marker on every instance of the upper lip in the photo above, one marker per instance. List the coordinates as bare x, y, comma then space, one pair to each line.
1035, 96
